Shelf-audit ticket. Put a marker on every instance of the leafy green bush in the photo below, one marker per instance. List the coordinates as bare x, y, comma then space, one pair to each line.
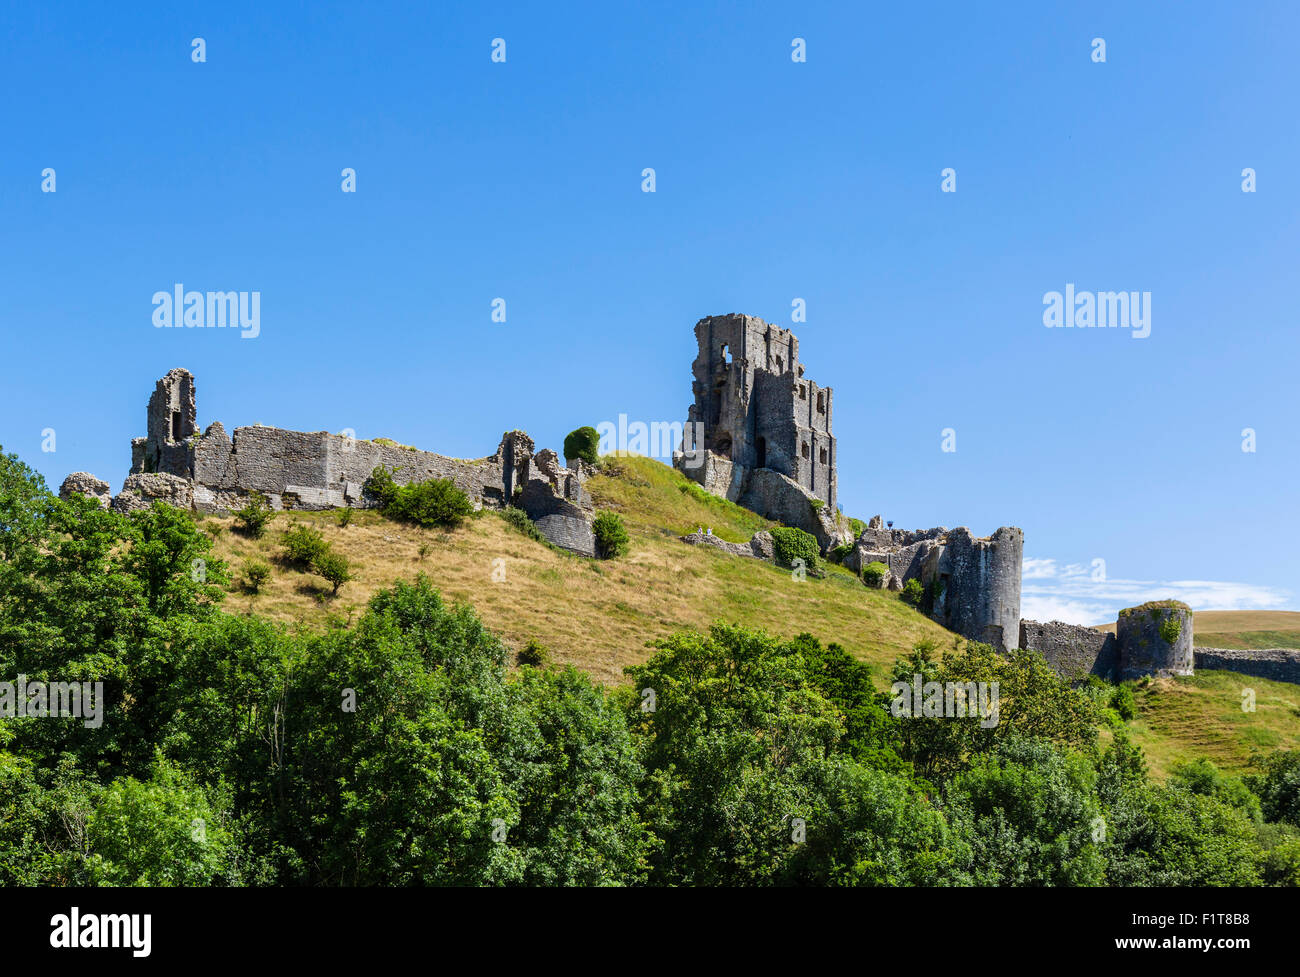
582, 443
1280, 865
254, 516
790, 544
1124, 703
256, 574
1278, 786
534, 653
913, 592
303, 545
1170, 628
436, 502
858, 526
344, 516
838, 553
611, 535
381, 487
519, 520
933, 594
875, 573
334, 567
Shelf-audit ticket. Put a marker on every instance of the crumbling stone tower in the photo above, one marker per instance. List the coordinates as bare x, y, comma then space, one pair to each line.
1155, 639
758, 409
171, 422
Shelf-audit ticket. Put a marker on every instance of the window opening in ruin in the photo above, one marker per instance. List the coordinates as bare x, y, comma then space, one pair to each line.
821, 403
762, 452
779, 367
822, 456
726, 354
176, 425
803, 392
804, 449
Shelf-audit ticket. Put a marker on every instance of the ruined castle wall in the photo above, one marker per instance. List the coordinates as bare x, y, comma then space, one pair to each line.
1143, 636
980, 579
791, 435
714, 474
1278, 664
170, 424
320, 470
757, 408
1072, 650
774, 423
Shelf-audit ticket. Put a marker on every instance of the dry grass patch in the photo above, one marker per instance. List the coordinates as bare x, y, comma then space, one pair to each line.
596, 615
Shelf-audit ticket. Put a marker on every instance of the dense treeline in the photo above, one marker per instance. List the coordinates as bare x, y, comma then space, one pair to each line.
403, 751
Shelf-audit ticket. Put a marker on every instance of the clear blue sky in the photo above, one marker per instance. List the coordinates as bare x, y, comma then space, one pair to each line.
775, 180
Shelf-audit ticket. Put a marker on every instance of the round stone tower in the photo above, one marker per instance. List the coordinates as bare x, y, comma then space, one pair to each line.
1155, 639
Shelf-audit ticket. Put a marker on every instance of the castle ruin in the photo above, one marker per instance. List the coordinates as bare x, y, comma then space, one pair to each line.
215, 472
759, 434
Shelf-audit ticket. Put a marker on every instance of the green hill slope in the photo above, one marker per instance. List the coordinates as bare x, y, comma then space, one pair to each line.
597, 615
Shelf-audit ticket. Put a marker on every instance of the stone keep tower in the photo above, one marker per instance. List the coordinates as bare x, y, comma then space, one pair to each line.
757, 408
171, 422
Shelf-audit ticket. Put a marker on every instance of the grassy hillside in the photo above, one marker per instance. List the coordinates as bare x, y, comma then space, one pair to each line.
597, 615
1201, 716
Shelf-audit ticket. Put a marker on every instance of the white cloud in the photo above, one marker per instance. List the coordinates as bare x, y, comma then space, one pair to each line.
1073, 594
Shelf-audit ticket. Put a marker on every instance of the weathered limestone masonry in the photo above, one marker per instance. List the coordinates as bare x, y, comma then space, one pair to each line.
766, 442
84, 483
1073, 650
216, 471
1146, 643
760, 545
1153, 639
974, 581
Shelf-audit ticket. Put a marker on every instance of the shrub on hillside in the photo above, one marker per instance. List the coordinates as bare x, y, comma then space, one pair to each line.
611, 535
534, 653
436, 502
913, 592
256, 574
303, 546
254, 516
790, 544
582, 443
1124, 703
838, 553
518, 519
344, 516
875, 573
334, 567
381, 487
